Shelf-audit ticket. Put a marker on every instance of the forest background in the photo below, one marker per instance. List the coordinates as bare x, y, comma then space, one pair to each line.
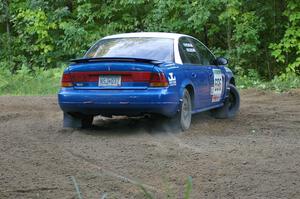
261, 39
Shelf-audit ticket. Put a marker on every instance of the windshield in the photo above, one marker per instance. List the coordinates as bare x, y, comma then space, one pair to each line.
137, 47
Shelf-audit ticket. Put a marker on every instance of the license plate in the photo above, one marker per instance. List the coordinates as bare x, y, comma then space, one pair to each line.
109, 80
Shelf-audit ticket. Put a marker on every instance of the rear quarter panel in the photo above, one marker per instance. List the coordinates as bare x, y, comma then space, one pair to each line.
177, 79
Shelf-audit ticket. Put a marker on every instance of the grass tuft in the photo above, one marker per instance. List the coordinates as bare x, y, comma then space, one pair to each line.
79, 196
30, 82
188, 188
280, 83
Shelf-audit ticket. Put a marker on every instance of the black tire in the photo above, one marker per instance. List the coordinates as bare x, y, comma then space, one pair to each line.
231, 105
76, 120
87, 121
183, 118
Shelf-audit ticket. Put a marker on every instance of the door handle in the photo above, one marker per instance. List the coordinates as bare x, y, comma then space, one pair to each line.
194, 75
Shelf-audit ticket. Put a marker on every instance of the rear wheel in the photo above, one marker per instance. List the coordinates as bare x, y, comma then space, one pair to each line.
231, 105
73, 120
87, 121
184, 117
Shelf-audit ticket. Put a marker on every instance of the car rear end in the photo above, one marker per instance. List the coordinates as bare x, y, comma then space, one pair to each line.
116, 86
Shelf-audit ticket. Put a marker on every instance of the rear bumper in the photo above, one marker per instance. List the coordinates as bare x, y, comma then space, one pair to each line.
119, 102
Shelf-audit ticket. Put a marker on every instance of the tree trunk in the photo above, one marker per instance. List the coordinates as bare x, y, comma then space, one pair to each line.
205, 36
228, 35
7, 17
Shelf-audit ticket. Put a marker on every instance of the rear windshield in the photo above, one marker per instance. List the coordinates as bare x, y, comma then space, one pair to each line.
137, 47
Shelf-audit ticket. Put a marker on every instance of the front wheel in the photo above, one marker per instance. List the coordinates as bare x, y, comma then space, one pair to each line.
231, 105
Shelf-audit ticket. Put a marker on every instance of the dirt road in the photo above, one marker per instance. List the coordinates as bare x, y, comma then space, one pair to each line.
255, 155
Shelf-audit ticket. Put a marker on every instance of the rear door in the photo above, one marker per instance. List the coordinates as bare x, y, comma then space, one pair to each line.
194, 70
216, 74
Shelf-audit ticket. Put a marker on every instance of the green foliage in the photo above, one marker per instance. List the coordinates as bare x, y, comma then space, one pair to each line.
249, 79
259, 36
30, 82
34, 43
288, 49
246, 38
188, 188
280, 83
284, 82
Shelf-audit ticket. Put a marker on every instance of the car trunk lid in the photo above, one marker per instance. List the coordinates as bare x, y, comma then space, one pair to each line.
114, 73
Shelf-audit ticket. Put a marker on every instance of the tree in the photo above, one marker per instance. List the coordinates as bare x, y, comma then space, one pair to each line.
47, 33
287, 51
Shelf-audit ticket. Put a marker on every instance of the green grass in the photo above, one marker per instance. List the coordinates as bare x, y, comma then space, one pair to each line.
279, 83
30, 82
47, 82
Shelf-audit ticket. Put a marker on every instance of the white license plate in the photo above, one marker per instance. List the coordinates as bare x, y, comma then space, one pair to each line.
109, 80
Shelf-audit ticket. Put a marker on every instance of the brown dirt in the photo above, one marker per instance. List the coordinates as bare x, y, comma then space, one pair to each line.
255, 155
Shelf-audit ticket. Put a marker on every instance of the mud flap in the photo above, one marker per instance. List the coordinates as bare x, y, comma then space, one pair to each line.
71, 122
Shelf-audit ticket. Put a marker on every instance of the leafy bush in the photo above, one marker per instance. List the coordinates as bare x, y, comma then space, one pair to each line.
248, 80
261, 35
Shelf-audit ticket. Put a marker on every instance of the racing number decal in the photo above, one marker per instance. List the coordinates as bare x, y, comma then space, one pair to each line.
216, 90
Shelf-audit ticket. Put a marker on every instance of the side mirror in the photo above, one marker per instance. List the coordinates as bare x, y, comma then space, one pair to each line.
221, 61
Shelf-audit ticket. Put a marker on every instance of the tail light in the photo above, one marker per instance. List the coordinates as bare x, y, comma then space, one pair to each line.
158, 79
66, 80
155, 79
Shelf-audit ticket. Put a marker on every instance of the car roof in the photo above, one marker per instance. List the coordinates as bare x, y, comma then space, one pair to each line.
147, 34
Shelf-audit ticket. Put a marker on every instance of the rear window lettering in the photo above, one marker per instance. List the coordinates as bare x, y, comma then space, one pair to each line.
190, 50
188, 55
188, 45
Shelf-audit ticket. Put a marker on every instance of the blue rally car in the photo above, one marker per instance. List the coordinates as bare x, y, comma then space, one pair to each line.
135, 74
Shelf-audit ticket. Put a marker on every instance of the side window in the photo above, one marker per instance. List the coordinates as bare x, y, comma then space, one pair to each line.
188, 52
206, 57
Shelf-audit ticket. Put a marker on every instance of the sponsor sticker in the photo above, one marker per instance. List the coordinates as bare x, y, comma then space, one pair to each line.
172, 79
216, 90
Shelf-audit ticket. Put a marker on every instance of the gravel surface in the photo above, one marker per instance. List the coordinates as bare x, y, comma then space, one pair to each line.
255, 155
